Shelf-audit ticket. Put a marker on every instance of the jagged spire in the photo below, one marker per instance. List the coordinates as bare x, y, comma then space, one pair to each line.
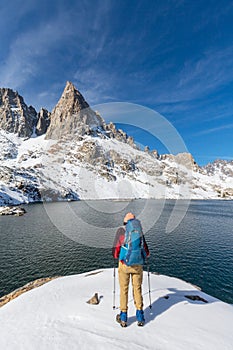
72, 115
15, 115
72, 99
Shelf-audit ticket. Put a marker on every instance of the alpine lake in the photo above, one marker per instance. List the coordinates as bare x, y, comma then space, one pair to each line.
65, 238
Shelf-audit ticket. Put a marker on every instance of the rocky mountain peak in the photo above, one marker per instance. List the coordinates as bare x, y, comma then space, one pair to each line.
72, 115
15, 115
72, 99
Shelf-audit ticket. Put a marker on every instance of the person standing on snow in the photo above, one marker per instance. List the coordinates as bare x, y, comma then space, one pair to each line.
131, 249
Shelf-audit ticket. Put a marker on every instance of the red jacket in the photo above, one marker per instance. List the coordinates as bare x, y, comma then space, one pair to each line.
119, 241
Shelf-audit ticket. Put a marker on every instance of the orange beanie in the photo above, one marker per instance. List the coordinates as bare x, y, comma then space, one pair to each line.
128, 216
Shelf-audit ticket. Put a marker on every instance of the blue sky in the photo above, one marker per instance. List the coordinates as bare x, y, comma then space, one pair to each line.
173, 56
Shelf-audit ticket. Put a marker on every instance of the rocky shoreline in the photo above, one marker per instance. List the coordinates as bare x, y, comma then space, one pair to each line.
31, 285
16, 211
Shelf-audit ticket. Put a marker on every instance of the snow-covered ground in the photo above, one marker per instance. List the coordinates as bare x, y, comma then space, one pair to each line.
56, 316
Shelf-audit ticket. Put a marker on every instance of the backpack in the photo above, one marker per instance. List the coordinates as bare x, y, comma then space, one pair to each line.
132, 251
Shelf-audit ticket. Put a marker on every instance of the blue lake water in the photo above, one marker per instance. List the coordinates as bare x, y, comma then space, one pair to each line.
67, 238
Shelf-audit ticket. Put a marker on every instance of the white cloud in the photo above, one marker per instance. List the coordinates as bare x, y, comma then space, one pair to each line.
215, 129
95, 84
12, 12
213, 70
70, 29
200, 77
26, 51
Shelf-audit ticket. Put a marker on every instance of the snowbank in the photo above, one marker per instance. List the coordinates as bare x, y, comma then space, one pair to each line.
57, 316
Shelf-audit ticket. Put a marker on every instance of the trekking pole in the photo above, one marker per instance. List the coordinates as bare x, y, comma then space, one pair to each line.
114, 286
148, 274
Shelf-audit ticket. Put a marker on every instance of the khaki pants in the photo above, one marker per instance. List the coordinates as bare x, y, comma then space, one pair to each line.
136, 273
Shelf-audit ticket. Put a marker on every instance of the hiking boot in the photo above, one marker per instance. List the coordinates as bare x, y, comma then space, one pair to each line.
122, 319
140, 317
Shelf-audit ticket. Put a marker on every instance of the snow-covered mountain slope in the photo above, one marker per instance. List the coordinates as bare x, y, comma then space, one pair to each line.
93, 167
56, 316
79, 156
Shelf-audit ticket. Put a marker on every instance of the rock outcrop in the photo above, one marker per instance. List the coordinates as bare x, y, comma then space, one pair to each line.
31, 285
43, 122
15, 116
219, 165
94, 300
17, 211
72, 116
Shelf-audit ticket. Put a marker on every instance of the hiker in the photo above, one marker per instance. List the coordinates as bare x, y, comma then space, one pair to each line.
131, 249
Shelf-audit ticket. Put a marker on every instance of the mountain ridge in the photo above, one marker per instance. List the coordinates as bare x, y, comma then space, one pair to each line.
15, 115
72, 153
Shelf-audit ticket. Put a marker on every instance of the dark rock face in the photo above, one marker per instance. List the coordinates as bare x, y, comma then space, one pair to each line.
43, 122
15, 115
72, 115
